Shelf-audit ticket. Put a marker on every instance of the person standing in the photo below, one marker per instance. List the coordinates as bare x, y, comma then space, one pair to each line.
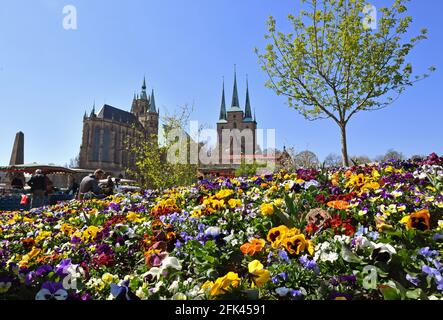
38, 186
89, 186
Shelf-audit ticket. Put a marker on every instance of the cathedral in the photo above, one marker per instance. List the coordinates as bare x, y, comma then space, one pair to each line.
106, 133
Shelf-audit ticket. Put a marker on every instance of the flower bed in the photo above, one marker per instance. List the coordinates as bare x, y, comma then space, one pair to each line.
372, 232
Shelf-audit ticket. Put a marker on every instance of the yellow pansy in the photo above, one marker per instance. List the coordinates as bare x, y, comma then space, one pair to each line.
272, 189
27, 257
207, 285
222, 284
267, 209
134, 217
275, 235
259, 274
109, 278
224, 193
278, 202
42, 236
234, 203
310, 247
196, 213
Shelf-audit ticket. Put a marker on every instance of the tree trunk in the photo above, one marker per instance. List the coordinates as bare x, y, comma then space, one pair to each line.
344, 146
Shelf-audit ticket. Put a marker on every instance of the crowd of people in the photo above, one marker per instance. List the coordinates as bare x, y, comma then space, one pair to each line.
90, 187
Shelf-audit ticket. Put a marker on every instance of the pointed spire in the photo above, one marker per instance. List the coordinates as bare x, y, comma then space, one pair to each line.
85, 115
235, 102
248, 112
223, 103
143, 94
152, 103
93, 110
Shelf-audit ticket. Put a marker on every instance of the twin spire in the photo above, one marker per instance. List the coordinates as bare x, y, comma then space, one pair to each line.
235, 105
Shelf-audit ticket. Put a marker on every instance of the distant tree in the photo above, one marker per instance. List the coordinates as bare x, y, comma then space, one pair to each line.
417, 157
358, 160
74, 162
334, 65
306, 159
333, 160
391, 154
152, 170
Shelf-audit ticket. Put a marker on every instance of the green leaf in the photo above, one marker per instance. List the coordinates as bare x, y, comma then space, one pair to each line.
414, 294
390, 293
349, 256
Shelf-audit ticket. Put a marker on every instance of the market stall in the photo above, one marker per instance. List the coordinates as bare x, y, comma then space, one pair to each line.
13, 198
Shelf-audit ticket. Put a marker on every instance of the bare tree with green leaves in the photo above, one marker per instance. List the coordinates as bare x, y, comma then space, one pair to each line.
306, 159
152, 168
332, 65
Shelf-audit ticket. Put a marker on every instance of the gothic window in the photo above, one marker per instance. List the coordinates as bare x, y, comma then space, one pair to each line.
106, 145
96, 144
116, 147
87, 135
235, 125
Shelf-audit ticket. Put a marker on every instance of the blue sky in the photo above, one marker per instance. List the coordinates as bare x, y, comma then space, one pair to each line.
49, 76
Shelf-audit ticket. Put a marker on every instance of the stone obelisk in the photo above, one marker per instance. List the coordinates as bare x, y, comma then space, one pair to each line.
18, 151
17, 157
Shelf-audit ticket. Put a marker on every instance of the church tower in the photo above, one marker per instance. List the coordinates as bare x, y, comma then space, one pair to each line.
144, 108
236, 127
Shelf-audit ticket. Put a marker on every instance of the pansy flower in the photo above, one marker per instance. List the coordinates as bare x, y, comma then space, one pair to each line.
252, 247
52, 291
419, 220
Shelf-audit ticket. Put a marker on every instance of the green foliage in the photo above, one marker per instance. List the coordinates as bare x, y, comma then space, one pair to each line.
152, 169
248, 169
332, 66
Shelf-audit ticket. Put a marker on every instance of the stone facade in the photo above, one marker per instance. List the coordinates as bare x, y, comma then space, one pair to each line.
107, 134
236, 129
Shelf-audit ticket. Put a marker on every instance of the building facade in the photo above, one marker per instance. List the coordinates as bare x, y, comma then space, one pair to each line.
108, 134
236, 129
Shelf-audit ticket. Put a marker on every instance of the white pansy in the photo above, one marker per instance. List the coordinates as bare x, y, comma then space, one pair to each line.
384, 247
171, 262
342, 239
328, 256
363, 243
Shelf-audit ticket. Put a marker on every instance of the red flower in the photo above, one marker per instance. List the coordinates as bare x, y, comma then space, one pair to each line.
311, 228
320, 198
104, 260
